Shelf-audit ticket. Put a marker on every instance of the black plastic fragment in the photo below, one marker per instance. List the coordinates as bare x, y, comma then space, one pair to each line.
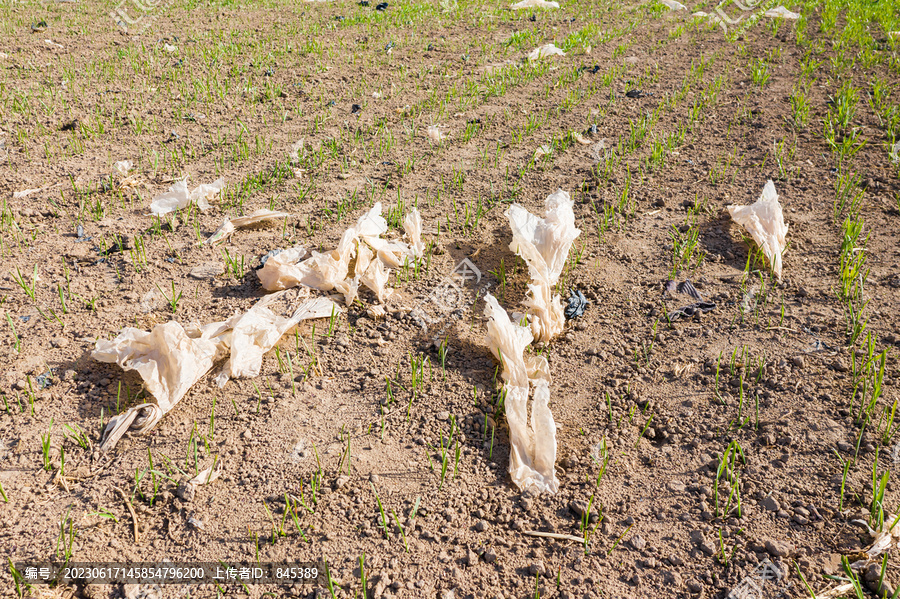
700, 306
575, 304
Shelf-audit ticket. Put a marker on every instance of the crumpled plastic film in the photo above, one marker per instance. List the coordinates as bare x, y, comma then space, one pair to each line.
434, 134
179, 197
545, 51
532, 444
764, 220
331, 270
534, 4
168, 361
412, 226
780, 12
544, 244
171, 359
376, 278
259, 329
673, 5
230, 225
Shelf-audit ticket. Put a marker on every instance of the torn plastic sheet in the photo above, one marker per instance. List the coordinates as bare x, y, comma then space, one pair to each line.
123, 166
576, 304
532, 445
258, 330
545, 51
179, 197
534, 4
764, 221
331, 270
544, 244
168, 361
686, 287
171, 359
780, 12
434, 134
230, 225
412, 226
673, 5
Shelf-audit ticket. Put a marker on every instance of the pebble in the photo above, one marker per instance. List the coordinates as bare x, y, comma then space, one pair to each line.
342, 481
770, 503
798, 361
481, 525
637, 542
185, 490
777, 548
490, 556
206, 271
471, 558
676, 486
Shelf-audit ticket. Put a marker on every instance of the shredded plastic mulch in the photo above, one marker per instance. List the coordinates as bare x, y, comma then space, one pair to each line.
700, 306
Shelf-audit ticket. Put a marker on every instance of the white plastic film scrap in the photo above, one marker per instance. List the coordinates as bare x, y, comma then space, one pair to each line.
434, 134
284, 270
673, 5
169, 362
545, 51
544, 244
123, 166
780, 12
764, 221
230, 225
179, 197
331, 270
376, 278
412, 226
260, 328
534, 4
171, 359
532, 444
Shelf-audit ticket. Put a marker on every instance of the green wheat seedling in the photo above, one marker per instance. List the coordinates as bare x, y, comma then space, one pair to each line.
29, 289
78, 436
728, 468
45, 447
402, 531
236, 267
66, 538
879, 486
17, 343
173, 299
102, 512
619, 540
586, 530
